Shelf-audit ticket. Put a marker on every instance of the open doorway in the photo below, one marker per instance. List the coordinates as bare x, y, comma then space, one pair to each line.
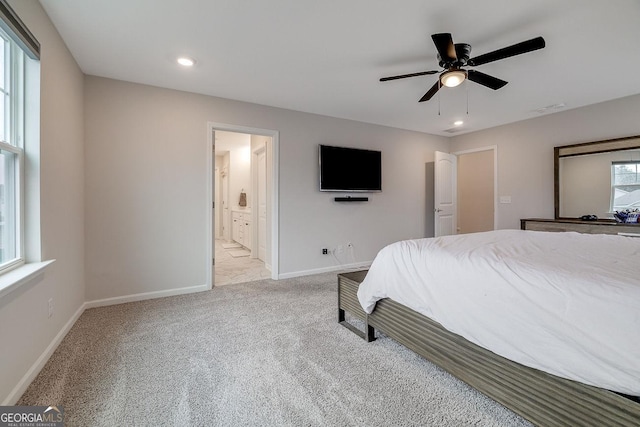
464, 191
476, 188
243, 204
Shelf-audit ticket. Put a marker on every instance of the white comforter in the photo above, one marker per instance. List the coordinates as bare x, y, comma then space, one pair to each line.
564, 303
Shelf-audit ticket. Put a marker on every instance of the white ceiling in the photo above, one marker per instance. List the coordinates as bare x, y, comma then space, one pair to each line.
327, 56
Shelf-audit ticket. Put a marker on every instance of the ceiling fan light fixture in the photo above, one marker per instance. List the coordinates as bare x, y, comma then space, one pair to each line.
453, 78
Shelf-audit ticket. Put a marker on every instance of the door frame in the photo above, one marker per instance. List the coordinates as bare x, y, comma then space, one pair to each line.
493, 148
273, 155
255, 213
217, 231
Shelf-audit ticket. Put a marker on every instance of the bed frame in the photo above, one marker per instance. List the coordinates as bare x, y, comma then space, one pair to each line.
541, 398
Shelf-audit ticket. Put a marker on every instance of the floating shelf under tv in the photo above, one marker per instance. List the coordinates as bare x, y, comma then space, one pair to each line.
351, 199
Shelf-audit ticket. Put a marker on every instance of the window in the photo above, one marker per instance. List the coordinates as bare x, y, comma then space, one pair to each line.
11, 151
625, 185
19, 117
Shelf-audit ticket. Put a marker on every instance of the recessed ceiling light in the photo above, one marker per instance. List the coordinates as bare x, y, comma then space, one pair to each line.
458, 123
186, 61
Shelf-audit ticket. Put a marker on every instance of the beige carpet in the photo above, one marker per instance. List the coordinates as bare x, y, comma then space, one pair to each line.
267, 353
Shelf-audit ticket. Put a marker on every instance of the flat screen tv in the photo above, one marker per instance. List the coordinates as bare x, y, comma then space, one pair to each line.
350, 169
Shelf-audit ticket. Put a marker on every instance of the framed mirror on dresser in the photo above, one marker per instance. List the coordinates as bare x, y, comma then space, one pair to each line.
594, 180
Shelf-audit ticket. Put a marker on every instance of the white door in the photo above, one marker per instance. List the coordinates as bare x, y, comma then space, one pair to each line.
445, 197
262, 204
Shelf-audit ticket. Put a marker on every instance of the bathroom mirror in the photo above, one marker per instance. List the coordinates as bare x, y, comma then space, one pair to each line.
589, 176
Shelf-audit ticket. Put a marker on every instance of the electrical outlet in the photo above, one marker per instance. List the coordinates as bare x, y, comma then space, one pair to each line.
325, 251
339, 250
50, 305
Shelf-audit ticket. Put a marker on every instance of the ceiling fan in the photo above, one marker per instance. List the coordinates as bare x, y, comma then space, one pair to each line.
452, 57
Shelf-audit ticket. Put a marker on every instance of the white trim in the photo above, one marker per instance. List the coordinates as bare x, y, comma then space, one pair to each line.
495, 176
35, 369
275, 168
274, 263
146, 295
11, 148
208, 229
12, 280
254, 199
31, 146
354, 266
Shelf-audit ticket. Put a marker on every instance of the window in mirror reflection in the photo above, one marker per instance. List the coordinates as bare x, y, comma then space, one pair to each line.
625, 186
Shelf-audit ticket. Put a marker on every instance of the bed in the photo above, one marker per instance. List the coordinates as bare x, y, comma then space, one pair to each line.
537, 321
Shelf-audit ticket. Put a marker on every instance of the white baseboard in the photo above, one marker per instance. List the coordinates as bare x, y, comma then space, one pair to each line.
145, 296
35, 369
344, 267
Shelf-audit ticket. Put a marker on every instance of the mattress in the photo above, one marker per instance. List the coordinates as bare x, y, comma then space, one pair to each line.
565, 303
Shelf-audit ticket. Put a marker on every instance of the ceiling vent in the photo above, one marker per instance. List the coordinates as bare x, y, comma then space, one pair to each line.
551, 108
453, 130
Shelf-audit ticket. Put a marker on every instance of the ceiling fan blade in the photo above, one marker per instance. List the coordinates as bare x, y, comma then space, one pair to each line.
485, 79
506, 52
404, 76
427, 96
444, 45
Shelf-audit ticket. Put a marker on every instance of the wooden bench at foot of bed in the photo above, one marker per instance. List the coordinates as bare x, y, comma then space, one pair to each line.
541, 398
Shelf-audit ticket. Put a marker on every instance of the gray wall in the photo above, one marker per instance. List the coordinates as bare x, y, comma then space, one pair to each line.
25, 330
146, 184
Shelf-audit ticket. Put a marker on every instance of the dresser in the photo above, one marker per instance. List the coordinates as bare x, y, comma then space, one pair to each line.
588, 227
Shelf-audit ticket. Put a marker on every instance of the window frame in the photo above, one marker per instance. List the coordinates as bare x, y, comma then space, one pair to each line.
13, 93
615, 186
32, 264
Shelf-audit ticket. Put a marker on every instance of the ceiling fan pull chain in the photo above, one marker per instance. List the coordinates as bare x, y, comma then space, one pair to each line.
466, 86
439, 86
